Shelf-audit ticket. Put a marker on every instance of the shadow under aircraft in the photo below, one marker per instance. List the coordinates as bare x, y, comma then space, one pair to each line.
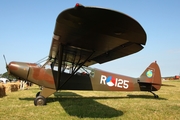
88, 106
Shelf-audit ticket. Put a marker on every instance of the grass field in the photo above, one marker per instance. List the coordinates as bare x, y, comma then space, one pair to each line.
88, 105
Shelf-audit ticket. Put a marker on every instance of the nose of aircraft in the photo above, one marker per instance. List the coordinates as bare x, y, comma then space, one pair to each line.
18, 69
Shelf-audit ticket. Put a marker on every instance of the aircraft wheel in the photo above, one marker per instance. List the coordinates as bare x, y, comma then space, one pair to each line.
37, 94
156, 96
39, 101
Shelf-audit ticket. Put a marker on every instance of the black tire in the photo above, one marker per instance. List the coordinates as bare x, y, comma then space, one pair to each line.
156, 96
38, 93
40, 101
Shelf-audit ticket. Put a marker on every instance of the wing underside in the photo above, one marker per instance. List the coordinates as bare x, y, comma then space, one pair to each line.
95, 35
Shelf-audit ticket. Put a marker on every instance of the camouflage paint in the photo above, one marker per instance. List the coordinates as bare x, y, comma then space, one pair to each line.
33, 73
97, 80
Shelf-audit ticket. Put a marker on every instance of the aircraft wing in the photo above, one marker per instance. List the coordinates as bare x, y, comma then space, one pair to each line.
95, 35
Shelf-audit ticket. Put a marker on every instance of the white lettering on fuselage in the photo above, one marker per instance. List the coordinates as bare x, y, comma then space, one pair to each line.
111, 81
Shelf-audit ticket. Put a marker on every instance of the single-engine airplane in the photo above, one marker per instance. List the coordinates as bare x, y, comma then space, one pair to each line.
84, 36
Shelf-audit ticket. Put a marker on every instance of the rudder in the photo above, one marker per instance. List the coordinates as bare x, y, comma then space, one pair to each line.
151, 77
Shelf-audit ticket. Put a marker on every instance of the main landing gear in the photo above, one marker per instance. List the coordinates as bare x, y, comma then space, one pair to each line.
155, 96
40, 99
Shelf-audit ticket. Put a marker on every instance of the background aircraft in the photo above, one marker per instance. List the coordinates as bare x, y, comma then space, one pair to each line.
84, 36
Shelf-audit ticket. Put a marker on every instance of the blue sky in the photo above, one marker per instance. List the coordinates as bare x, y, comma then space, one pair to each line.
26, 30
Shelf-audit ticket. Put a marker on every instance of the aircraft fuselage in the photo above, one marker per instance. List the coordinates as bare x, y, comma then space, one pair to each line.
97, 80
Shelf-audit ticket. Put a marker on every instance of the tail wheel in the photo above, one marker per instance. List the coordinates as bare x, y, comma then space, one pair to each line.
39, 101
156, 96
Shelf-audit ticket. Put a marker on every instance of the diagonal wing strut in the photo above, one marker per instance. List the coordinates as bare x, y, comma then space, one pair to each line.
63, 56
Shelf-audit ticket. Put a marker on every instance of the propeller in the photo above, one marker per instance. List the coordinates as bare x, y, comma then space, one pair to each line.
5, 62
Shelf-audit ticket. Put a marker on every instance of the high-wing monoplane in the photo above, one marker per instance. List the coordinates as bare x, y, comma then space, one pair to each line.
84, 36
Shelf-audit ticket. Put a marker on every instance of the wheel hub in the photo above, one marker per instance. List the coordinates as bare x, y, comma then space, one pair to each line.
40, 102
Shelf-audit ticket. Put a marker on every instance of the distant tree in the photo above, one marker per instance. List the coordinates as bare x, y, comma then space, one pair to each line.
6, 75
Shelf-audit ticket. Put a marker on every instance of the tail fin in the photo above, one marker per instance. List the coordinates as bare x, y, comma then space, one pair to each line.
151, 77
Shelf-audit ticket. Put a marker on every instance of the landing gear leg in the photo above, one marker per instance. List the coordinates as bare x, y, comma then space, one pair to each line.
37, 94
155, 96
40, 99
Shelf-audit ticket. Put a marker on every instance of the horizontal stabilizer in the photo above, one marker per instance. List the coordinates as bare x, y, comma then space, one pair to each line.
156, 84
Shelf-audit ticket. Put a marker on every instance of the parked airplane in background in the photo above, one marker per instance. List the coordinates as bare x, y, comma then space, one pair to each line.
84, 36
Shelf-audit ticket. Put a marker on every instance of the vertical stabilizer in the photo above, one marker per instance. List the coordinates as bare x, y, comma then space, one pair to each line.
151, 76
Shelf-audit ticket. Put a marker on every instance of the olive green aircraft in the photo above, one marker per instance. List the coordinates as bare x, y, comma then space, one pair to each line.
84, 36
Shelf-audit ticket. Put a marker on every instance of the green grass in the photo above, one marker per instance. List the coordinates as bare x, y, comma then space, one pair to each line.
88, 105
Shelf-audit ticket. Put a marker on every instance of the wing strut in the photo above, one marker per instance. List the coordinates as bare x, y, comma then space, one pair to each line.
73, 72
58, 84
60, 54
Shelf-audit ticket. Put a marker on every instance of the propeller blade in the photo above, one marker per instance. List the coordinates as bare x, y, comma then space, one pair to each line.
6, 64
5, 60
